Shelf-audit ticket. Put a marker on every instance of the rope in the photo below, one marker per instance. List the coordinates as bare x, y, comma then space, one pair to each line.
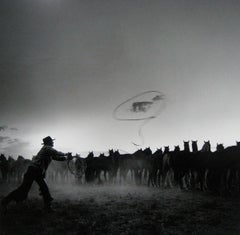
145, 119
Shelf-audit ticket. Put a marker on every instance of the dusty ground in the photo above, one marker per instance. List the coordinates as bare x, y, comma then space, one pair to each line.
122, 210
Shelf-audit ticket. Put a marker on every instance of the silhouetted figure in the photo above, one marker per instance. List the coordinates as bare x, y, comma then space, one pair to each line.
36, 172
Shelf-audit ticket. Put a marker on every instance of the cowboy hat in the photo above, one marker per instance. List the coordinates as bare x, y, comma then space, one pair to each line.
47, 140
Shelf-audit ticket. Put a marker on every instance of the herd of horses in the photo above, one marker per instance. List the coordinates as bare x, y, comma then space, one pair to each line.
217, 171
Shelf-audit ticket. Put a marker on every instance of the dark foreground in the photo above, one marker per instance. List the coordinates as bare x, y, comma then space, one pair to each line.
123, 210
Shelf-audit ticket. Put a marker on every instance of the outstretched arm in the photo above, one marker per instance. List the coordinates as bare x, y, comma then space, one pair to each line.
59, 156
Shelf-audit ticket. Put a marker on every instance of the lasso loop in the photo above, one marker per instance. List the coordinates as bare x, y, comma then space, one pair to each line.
78, 172
69, 168
141, 106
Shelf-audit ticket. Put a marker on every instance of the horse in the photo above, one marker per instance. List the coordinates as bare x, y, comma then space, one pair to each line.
136, 163
206, 147
231, 157
58, 171
155, 170
89, 172
17, 168
166, 166
142, 164
219, 147
179, 161
194, 146
12, 169
4, 167
126, 163
114, 155
80, 167
96, 165
197, 164
219, 167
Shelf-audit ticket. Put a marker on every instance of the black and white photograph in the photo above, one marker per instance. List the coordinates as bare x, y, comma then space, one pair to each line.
119, 117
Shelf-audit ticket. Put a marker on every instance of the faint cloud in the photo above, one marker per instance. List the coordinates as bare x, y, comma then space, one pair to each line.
12, 141
13, 129
4, 139
13, 146
16, 145
3, 128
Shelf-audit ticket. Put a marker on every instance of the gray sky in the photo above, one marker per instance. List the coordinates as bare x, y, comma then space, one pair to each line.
66, 65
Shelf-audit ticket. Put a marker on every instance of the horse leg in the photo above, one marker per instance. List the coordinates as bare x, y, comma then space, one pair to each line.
164, 179
136, 176
158, 177
98, 176
181, 179
154, 177
140, 176
105, 175
232, 173
150, 179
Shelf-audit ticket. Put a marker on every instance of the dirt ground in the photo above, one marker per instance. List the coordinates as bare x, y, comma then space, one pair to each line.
105, 209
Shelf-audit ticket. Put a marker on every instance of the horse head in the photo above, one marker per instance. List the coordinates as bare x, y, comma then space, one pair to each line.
166, 149
3, 158
147, 151
110, 152
159, 151
139, 151
186, 146
206, 146
101, 155
194, 146
90, 156
20, 158
220, 147
176, 148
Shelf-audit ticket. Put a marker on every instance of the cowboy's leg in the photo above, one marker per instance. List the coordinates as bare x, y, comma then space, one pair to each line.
21, 192
44, 191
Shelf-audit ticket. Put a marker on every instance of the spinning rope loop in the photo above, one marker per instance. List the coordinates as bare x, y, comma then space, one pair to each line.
144, 106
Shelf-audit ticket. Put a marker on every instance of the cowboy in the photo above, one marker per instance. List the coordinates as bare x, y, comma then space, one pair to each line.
36, 172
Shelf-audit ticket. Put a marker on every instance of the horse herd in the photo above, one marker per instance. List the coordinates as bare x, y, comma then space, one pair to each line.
217, 171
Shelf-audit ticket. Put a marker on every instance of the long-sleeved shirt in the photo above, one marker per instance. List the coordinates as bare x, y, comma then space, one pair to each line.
46, 155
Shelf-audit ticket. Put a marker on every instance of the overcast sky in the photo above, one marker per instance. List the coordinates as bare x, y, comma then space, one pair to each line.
66, 65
